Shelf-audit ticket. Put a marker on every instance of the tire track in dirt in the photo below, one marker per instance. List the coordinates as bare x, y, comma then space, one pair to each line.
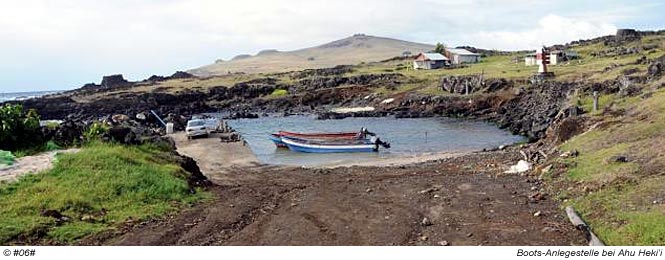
465, 201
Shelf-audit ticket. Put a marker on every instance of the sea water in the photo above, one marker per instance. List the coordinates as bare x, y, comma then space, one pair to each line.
11, 96
408, 137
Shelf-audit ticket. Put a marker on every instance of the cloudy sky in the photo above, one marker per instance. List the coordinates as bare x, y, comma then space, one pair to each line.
62, 44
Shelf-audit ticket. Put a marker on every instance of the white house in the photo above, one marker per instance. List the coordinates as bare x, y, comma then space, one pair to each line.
459, 56
556, 57
430, 61
530, 60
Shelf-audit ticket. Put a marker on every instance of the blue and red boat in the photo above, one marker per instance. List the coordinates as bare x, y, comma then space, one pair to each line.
342, 142
277, 138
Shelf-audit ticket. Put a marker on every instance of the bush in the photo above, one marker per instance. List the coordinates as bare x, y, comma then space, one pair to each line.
279, 92
18, 129
51, 146
95, 131
6, 158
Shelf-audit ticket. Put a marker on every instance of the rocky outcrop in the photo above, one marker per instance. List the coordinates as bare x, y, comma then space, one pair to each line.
316, 83
181, 75
532, 111
195, 177
460, 84
656, 68
176, 75
326, 72
627, 35
114, 81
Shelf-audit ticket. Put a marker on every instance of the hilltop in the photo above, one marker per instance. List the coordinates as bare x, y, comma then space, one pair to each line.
348, 51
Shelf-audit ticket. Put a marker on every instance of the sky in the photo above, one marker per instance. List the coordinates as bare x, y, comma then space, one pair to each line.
63, 44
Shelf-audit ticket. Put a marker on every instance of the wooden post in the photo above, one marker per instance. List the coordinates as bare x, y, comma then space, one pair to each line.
576, 98
579, 224
466, 88
595, 101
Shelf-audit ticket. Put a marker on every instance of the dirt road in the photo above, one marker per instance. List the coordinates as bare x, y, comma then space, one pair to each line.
454, 201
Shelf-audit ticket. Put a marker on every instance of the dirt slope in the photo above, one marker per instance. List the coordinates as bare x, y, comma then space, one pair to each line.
458, 200
347, 51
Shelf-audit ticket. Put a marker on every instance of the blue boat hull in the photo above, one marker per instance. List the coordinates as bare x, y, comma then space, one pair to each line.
278, 141
315, 150
296, 146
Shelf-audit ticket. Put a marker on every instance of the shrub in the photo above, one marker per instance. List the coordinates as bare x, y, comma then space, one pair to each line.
279, 92
6, 158
52, 146
95, 131
18, 129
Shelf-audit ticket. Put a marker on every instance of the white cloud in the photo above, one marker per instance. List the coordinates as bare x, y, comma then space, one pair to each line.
551, 29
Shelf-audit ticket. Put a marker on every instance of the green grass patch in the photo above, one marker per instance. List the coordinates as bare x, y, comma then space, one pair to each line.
625, 214
594, 165
98, 188
604, 101
279, 93
621, 208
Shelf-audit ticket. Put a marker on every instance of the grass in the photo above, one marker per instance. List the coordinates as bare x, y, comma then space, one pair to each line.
593, 165
279, 93
587, 68
46, 147
626, 215
620, 206
99, 188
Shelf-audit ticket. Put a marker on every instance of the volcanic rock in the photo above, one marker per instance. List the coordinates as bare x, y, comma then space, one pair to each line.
114, 81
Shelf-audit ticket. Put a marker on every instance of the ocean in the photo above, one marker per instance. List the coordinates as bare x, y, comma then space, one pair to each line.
10, 96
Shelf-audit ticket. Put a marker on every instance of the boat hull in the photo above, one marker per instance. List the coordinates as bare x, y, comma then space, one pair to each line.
277, 137
300, 146
277, 140
341, 135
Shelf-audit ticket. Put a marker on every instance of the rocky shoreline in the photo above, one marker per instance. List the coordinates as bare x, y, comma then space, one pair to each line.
522, 109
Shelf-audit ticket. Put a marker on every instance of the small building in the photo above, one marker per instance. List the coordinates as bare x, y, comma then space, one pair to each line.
530, 60
459, 56
556, 57
430, 61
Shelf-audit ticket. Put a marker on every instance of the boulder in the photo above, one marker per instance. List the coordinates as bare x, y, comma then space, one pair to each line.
656, 68
119, 118
520, 167
69, 133
195, 177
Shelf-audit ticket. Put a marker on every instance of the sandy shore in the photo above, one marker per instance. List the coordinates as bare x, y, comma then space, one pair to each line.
395, 161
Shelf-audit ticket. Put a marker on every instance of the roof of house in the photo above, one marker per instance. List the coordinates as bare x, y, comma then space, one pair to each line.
434, 56
462, 52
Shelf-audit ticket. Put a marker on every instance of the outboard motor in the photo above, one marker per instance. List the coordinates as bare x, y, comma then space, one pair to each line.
365, 132
378, 142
